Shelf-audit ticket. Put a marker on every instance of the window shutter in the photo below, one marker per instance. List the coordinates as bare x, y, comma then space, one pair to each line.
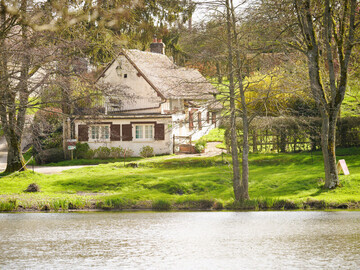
83, 133
214, 118
159, 132
199, 120
115, 133
127, 132
191, 120
208, 117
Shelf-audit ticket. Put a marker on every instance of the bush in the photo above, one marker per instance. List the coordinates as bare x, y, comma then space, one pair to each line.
10, 205
90, 154
147, 151
81, 150
117, 152
128, 152
200, 145
102, 152
50, 156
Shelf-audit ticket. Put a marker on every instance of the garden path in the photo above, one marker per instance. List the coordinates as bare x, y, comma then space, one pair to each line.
210, 151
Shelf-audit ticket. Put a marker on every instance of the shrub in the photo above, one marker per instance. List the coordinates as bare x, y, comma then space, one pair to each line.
117, 152
200, 145
147, 151
81, 150
102, 152
90, 154
128, 152
50, 156
161, 205
10, 205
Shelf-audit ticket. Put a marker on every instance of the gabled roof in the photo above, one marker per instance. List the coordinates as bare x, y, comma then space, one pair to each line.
169, 80
172, 81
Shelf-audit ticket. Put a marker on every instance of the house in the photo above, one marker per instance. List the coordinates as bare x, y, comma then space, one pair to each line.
149, 101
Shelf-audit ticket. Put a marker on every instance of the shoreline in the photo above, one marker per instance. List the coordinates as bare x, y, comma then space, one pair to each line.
194, 206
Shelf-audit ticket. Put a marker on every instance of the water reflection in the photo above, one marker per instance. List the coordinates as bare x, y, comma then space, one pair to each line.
181, 240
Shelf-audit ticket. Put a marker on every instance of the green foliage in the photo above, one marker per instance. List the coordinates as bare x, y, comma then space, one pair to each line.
147, 151
200, 145
115, 202
81, 150
49, 156
215, 135
9, 205
117, 152
90, 154
161, 205
278, 181
103, 152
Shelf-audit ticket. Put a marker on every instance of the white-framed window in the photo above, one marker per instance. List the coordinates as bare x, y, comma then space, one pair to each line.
100, 133
144, 132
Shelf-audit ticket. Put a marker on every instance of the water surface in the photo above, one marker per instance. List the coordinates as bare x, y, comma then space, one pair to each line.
180, 240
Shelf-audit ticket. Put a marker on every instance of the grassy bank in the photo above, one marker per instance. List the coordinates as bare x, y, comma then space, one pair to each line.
277, 181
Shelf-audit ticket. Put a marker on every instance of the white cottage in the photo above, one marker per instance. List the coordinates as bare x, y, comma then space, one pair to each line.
149, 101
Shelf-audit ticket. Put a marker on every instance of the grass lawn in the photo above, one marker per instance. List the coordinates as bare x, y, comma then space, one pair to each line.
189, 183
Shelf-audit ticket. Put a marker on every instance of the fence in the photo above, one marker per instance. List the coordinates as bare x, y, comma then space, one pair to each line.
290, 134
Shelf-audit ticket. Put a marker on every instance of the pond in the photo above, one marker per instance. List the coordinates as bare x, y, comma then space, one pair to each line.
180, 240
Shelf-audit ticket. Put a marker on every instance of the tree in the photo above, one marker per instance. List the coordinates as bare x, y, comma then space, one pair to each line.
227, 18
20, 58
325, 32
41, 41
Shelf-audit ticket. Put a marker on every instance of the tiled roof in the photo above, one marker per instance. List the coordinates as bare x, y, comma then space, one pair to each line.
170, 80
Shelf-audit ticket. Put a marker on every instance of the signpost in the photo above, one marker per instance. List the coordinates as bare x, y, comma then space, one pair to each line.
341, 166
71, 145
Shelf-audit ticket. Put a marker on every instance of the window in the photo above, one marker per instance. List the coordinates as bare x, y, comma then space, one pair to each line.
100, 132
144, 132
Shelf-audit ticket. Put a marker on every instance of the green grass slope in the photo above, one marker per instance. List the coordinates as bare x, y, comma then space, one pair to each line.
188, 183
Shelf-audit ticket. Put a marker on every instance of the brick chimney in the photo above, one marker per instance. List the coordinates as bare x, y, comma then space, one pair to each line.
157, 46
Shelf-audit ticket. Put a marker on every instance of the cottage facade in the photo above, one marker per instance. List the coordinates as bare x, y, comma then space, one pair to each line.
149, 100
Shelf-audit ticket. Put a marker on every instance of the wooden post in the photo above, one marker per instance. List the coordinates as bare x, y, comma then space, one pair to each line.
174, 144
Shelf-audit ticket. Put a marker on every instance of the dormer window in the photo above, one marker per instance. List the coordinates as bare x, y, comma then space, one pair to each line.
119, 70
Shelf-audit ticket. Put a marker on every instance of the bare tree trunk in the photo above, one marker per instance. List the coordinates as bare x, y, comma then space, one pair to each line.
328, 133
218, 72
234, 146
244, 184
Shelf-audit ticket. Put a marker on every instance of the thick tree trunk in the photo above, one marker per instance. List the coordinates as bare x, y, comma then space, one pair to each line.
328, 139
15, 160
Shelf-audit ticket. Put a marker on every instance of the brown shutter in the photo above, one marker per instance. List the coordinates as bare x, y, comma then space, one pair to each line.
191, 120
127, 132
115, 133
159, 132
83, 133
214, 118
208, 117
199, 120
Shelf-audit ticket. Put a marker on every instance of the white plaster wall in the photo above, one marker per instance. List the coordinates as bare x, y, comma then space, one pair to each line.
160, 146
143, 95
181, 124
